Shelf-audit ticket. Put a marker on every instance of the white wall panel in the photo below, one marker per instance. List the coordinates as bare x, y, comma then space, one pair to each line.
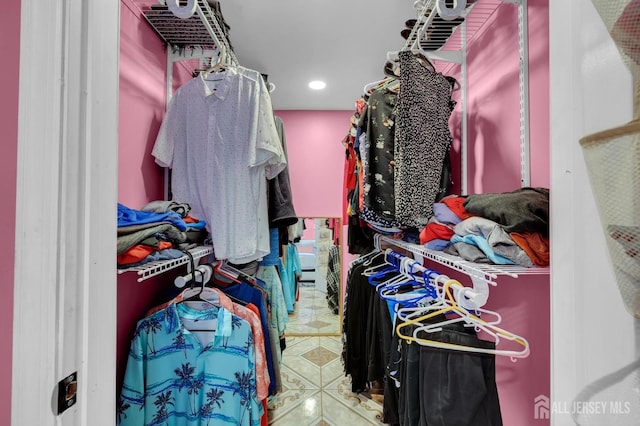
591, 90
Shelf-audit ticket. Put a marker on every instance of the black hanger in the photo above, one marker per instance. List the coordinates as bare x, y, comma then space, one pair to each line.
455, 84
198, 296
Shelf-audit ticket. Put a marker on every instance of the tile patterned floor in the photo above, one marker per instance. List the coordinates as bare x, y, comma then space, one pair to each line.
315, 391
312, 314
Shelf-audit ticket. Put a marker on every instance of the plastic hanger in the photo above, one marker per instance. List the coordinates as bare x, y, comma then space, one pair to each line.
406, 313
369, 257
198, 294
416, 276
220, 271
400, 282
220, 65
456, 298
404, 277
452, 307
370, 87
390, 264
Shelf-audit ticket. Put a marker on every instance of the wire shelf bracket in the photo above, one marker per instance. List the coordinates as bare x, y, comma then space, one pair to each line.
153, 269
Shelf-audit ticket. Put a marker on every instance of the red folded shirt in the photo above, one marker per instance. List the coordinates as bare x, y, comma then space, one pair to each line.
435, 231
456, 206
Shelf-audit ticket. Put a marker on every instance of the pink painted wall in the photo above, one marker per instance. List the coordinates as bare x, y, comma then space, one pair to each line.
316, 159
494, 166
142, 105
523, 303
493, 103
9, 80
316, 165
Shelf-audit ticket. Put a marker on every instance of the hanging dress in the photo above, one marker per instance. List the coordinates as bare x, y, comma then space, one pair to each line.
422, 139
377, 154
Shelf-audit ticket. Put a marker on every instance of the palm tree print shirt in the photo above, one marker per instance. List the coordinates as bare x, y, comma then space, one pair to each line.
173, 379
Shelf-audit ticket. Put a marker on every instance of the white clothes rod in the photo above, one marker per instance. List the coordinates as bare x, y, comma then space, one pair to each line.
201, 274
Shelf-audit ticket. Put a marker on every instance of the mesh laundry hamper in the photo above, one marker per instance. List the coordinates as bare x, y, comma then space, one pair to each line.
613, 161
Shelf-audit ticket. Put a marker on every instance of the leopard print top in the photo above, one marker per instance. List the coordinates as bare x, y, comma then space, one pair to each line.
422, 140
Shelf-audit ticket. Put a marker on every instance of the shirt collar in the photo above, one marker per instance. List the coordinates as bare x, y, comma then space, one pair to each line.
223, 84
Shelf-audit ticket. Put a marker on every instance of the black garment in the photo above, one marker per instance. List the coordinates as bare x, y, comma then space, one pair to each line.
359, 236
443, 387
375, 346
403, 370
355, 330
458, 388
446, 180
281, 210
522, 210
378, 122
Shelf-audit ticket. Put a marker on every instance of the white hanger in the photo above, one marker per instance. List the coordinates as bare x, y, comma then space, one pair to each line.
406, 313
471, 319
401, 277
220, 63
370, 86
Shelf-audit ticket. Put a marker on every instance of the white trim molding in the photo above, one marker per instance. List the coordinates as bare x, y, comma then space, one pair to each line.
65, 280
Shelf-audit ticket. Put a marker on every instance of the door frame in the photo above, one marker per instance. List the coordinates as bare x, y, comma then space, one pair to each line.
65, 277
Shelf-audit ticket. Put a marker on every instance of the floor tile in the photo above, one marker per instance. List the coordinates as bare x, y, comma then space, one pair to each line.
312, 315
320, 356
333, 344
338, 382
315, 390
350, 409
302, 408
331, 371
318, 324
300, 345
301, 368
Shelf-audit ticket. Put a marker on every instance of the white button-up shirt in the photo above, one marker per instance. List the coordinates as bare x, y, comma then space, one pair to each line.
220, 140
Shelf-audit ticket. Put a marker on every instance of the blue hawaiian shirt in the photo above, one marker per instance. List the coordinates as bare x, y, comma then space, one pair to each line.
176, 377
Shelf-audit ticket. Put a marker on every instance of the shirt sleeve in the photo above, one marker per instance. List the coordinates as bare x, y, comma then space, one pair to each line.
164, 146
256, 408
268, 145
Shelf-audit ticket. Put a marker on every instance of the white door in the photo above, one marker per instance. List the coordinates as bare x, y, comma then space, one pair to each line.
64, 289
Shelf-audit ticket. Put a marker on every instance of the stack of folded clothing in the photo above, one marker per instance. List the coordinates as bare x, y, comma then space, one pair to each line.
505, 228
161, 230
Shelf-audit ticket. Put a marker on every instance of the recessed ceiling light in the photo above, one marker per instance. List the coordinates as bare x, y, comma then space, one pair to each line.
317, 85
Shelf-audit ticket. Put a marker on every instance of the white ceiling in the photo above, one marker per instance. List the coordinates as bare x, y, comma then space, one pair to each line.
343, 42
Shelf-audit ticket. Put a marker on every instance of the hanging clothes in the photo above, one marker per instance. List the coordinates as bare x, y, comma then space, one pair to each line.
268, 272
258, 296
333, 279
422, 139
172, 377
250, 314
377, 153
220, 140
291, 271
281, 210
423, 385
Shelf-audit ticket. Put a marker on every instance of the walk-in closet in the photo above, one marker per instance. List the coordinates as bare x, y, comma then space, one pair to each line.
369, 256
